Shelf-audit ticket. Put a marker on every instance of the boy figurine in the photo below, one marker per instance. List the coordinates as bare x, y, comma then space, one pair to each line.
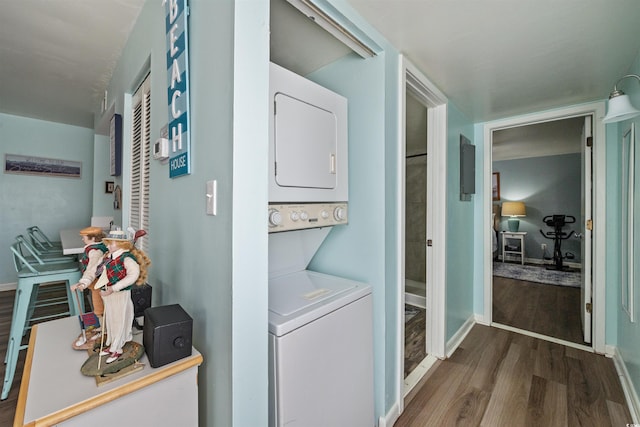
90, 261
125, 267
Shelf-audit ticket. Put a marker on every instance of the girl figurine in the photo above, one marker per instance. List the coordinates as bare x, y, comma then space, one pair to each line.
125, 266
90, 261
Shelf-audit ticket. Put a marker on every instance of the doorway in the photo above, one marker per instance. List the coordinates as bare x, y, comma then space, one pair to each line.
592, 293
421, 243
415, 232
537, 268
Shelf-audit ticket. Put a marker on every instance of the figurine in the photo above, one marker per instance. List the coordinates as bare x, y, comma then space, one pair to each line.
90, 266
124, 267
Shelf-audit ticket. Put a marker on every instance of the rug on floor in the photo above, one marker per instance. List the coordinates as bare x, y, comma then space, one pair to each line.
538, 274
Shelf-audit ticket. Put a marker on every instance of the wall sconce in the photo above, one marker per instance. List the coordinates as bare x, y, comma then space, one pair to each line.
620, 107
513, 210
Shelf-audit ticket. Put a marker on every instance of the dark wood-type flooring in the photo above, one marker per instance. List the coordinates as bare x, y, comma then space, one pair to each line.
8, 406
414, 341
549, 310
500, 378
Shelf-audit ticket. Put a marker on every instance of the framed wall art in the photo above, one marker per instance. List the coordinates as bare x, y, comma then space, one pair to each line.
495, 186
31, 165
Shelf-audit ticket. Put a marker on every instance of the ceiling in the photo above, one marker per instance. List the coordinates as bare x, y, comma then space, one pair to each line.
57, 56
496, 58
492, 58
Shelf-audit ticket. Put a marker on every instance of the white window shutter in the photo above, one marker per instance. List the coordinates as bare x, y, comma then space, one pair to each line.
140, 161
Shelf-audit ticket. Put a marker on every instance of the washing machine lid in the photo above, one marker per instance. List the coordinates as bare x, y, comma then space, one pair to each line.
299, 298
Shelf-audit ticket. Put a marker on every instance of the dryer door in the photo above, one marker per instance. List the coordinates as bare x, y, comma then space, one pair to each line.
305, 144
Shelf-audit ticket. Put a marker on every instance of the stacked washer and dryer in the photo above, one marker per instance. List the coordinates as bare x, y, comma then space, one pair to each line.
320, 325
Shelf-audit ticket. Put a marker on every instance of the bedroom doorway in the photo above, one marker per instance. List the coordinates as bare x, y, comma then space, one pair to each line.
537, 269
519, 301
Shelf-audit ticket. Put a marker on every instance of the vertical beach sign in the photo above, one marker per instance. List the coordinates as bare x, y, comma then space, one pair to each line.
176, 13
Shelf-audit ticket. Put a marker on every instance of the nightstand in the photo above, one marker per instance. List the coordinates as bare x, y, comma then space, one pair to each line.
511, 248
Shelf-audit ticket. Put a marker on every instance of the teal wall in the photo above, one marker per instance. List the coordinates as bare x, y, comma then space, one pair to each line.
102, 201
628, 334
460, 227
547, 185
51, 203
200, 261
354, 251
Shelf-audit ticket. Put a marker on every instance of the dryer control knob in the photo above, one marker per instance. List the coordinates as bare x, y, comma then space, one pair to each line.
324, 214
339, 213
304, 216
275, 217
294, 216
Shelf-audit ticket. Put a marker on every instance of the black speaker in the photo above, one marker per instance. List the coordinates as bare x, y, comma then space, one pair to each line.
141, 298
167, 334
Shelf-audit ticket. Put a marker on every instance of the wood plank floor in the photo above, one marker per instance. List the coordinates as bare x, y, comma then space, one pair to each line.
549, 310
501, 378
415, 346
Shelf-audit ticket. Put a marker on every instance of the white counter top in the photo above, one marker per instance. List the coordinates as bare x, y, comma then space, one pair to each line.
71, 241
54, 390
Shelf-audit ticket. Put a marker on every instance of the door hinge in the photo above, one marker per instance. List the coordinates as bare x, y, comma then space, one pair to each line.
588, 307
429, 242
589, 141
590, 225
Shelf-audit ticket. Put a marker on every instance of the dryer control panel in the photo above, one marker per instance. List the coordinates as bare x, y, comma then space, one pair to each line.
306, 215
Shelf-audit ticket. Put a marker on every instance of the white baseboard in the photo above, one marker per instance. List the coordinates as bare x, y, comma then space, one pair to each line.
627, 386
415, 300
481, 320
390, 418
418, 373
8, 287
459, 336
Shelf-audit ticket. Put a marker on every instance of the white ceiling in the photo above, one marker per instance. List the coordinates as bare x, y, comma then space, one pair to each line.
492, 58
497, 58
57, 56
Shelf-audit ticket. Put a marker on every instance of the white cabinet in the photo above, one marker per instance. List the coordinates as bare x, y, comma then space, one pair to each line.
54, 392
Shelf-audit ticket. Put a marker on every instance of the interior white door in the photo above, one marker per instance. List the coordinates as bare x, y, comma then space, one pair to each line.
585, 242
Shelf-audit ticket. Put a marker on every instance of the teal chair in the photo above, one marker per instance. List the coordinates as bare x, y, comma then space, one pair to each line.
31, 278
41, 241
35, 256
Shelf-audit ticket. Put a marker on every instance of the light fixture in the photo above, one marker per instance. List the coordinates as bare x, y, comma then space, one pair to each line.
620, 107
513, 210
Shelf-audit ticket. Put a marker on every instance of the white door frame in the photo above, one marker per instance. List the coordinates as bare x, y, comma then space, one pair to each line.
596, 109
436, 104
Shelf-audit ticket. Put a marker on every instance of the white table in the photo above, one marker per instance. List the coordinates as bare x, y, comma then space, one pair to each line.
72, 243
513, 235
54, 392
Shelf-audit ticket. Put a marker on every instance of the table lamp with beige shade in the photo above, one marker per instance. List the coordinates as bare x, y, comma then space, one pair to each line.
513, 210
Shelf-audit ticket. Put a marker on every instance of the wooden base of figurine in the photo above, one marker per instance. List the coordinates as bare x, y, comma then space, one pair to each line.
123, 366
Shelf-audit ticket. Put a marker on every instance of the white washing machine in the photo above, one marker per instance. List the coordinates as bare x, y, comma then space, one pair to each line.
320, 325
320, 337
320, 342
